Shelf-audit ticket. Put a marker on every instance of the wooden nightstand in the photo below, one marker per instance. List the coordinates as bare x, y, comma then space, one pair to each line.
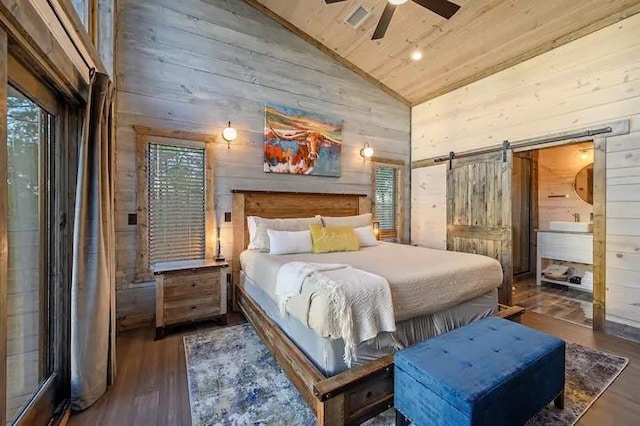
190, 291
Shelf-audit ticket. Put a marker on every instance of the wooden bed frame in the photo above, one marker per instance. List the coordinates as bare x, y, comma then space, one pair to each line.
347, 398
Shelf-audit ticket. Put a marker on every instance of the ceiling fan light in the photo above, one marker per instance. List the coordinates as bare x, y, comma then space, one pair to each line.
397, 2
416, 55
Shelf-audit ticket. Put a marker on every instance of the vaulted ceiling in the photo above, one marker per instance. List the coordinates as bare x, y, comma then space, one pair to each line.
484, 37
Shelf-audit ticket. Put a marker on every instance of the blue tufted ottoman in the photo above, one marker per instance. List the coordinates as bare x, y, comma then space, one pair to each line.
491, 372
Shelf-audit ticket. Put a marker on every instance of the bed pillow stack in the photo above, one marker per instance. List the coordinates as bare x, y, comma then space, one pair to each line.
320, 234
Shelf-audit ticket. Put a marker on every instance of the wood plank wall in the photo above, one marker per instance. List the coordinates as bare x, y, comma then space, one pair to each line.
593, 80
193, 65
623, 229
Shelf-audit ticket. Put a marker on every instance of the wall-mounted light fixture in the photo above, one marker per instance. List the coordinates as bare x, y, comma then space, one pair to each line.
366, 152
229, 134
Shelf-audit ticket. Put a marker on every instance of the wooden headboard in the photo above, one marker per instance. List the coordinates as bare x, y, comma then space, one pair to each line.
285, 205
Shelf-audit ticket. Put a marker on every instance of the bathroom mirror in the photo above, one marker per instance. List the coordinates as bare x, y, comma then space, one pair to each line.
583, 184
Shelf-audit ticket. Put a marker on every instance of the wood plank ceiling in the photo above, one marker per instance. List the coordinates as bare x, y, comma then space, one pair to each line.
484, 37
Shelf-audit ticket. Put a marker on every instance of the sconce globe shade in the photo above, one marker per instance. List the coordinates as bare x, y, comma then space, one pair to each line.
397, 2
366, 151
229, 133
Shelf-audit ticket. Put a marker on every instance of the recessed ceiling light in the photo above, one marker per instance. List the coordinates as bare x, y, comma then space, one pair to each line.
396, 2
416, 55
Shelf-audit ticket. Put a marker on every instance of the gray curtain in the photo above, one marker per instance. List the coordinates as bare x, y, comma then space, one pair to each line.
93, 282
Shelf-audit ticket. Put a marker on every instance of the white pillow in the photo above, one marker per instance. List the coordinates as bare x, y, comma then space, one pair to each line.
252, 227
289, 242
366, 236
351, 221
261, 240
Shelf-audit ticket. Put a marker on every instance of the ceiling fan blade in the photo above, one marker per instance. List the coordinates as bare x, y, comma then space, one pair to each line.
333, 1
385, 19
444, 8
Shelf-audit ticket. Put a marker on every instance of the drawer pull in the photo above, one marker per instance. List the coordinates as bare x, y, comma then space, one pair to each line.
193, 307
194, 284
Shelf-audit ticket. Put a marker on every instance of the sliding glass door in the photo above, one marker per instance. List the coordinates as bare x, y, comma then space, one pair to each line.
29, 139
34, 279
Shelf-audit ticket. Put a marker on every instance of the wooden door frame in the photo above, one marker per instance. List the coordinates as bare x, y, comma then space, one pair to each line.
599, 210
60, 166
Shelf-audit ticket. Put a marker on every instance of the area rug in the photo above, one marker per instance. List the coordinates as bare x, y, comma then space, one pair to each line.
234, 380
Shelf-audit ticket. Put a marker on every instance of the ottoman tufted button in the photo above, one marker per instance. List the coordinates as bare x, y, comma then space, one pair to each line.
496, 350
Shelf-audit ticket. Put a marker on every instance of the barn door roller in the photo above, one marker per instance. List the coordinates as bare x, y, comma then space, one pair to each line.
452, 155
505, 147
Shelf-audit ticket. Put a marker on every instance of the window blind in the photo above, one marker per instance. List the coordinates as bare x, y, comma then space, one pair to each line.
386, 186
176, 210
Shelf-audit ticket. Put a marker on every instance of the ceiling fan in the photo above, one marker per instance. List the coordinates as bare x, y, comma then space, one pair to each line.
444, 8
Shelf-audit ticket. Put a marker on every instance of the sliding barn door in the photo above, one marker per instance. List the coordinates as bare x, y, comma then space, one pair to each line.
479, 210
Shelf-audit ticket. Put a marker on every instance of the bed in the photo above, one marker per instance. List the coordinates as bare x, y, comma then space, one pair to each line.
314, 363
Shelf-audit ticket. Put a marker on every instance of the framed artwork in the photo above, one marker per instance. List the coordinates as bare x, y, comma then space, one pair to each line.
301, 142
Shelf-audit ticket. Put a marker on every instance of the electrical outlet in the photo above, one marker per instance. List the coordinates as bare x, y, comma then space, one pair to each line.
132, 219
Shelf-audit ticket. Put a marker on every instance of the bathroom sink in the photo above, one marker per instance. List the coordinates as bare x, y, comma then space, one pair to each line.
571, 226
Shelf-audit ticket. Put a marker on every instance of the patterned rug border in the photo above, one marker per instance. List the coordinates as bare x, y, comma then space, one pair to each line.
229, 328
613, 379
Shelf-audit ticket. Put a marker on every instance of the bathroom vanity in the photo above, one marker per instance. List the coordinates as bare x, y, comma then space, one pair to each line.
566, 243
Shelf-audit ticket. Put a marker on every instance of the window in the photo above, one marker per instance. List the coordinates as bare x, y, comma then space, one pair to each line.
176, 219
388, 198
176, 203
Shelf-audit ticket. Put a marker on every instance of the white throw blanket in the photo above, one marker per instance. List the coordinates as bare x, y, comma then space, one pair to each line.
361, 304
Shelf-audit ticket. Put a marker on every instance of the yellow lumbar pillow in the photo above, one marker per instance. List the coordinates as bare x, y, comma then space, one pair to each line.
334, 238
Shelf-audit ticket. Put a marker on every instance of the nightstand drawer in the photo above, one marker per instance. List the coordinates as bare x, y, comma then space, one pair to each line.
188, 309
177, 279
200, 285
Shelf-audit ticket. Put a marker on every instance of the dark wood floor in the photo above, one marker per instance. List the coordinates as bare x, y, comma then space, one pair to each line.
151, 388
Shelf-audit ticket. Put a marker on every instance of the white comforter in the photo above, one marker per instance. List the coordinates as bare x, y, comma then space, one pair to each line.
360, 304
422, 281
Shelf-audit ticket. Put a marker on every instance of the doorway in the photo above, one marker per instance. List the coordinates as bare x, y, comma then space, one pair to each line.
552, 207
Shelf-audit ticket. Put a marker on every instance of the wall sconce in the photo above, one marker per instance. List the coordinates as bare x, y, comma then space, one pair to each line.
376, 230
366, 152
229, 134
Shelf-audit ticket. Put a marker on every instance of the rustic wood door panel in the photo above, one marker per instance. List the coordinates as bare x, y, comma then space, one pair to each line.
479, 211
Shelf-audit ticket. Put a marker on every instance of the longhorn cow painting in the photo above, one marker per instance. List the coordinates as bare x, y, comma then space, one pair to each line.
301, 142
